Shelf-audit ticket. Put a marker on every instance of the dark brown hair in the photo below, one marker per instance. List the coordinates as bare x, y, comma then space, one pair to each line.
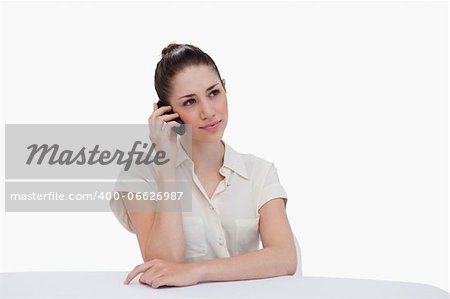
174, 58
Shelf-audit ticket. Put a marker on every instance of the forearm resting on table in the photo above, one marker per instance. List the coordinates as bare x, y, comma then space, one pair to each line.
166, 238
263, 263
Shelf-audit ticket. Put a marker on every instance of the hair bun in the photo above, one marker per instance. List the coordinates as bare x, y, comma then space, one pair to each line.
170, 48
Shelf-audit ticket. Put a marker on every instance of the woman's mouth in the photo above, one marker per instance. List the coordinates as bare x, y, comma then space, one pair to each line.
212, 126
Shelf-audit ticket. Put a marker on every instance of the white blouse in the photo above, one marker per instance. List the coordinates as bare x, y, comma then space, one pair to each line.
227, 224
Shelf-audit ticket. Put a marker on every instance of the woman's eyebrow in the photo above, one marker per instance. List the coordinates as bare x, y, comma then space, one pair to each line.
192, 94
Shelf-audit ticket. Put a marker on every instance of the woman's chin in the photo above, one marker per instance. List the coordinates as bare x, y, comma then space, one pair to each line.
208, 138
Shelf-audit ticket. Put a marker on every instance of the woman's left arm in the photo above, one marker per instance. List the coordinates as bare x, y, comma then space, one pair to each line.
276, 258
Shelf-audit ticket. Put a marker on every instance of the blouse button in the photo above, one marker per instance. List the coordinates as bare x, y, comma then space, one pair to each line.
220, 241
212, 208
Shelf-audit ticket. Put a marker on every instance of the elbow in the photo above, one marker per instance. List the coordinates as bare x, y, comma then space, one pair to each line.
285, 260
292, 269
174, 257
165, 257
290, 265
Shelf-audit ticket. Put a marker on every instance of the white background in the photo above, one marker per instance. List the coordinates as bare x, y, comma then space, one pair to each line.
348, 99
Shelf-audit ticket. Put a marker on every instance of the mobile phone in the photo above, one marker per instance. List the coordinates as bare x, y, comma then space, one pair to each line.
180, 130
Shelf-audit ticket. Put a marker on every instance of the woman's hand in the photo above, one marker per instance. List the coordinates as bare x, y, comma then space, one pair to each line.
158, 273
161, 133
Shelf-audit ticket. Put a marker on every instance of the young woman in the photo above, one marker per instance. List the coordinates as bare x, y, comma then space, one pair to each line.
237, 199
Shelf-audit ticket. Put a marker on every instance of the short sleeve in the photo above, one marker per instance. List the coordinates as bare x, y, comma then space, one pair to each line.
271, 188
137, 179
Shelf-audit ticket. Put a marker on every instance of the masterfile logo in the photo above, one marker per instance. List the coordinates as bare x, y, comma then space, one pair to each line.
76, 167
53, 155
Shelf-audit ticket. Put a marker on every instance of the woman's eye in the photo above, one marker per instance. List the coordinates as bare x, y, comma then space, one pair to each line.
188, 102
191, 101
215, 92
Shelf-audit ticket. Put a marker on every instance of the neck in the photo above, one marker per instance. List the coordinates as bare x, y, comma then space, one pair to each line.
207, 157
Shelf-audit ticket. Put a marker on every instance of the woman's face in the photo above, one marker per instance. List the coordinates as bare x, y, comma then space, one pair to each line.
200, 100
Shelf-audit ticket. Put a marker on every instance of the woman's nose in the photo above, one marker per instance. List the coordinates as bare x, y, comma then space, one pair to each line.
206, 110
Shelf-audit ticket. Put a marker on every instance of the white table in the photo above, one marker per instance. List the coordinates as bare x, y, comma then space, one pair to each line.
109, 285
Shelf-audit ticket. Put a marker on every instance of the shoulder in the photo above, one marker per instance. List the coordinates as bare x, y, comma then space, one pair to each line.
255, 164
134, 170
255, 167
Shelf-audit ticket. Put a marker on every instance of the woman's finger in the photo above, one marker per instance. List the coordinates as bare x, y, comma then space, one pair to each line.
169, 125
168, 117
160, 111
163, 122
149, 277
141, 281
138, 269
160, 281
157, 113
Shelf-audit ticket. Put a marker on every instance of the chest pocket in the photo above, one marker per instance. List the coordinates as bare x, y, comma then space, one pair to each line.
194, 237
247, 235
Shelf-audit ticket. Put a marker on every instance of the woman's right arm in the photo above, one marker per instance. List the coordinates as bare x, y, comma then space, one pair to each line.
160, 231
166, 239
142, 222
